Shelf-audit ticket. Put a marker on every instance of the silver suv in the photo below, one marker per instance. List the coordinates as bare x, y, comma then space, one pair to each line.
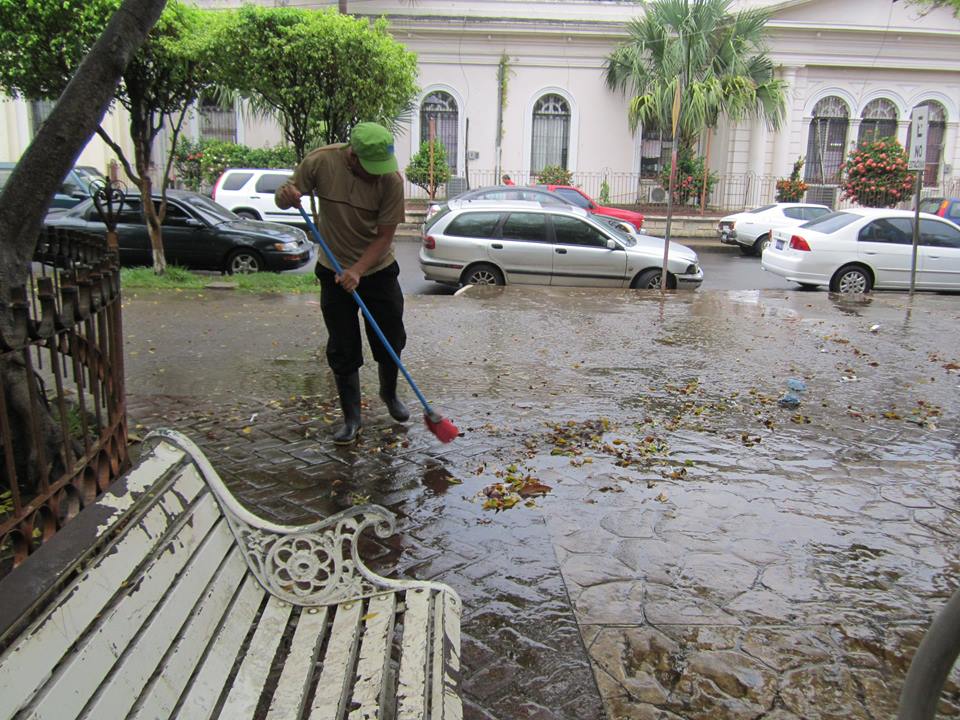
249, 193
498, 242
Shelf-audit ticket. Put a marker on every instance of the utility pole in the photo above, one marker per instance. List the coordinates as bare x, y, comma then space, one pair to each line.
918, 162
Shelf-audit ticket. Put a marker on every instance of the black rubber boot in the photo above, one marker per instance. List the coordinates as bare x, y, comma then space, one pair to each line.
388, 392
348, 386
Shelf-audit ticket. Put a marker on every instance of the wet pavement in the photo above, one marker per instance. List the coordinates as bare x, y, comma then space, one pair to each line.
700, 551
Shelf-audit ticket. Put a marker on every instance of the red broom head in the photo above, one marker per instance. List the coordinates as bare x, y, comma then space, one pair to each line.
441, 427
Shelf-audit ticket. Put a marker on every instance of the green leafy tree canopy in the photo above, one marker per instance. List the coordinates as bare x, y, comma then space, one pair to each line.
717, 59
317, 72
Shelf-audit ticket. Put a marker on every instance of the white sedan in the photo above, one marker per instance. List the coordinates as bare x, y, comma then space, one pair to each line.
751, 229
856, 250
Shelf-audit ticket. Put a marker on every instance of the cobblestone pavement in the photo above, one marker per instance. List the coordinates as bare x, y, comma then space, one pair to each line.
699, 552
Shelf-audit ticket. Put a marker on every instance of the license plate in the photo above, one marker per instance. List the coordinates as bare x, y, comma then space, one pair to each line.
779, 244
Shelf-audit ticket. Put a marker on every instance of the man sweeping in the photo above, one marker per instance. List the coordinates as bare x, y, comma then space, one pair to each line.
360, 195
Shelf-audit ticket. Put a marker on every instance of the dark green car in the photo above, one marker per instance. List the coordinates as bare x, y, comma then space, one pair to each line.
198, 234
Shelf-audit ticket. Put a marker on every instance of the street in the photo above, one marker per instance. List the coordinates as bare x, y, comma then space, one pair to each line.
723, 269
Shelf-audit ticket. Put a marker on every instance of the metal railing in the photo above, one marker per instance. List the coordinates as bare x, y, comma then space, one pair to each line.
63, 426
730, 192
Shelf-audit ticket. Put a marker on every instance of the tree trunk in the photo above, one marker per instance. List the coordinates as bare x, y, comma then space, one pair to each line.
29, 191
706, 175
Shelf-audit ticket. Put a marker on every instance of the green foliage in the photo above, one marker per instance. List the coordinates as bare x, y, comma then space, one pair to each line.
716, 57
792, 189
418, 171
555, 175
604, 192
688, 184
875, 174
200, 163
318, 72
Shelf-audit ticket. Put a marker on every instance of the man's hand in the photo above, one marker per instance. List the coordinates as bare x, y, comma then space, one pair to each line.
349, 279
287, 196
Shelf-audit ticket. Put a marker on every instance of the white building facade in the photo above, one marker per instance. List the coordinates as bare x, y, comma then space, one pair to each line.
854, 69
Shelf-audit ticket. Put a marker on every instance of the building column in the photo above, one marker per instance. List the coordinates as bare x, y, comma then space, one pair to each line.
758, 153
781, 164
853, 132
903, 129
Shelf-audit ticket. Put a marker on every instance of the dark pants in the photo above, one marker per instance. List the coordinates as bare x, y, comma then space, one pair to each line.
382, 295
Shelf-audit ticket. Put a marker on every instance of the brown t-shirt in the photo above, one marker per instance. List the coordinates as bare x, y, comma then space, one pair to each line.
351, 209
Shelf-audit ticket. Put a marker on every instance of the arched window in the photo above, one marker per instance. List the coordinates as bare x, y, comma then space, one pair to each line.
550, 140
440, 107
826, 141
935, 131
216, 121
879, 120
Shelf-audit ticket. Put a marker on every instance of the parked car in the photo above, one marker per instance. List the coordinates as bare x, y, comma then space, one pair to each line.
502, 192
522, 242
856, 250
249, 193
198, 234
579, 198
74, 189
750, 230
948, 208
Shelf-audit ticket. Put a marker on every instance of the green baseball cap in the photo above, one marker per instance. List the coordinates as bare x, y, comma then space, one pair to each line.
373, 146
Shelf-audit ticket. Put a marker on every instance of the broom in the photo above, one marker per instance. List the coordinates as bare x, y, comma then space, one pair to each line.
440, 426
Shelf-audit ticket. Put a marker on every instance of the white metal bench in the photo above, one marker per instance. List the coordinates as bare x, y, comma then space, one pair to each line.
167, 598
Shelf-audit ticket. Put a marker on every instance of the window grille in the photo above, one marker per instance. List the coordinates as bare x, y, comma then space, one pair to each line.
440, 107
216, 122
826, 141
878, 120
551, 133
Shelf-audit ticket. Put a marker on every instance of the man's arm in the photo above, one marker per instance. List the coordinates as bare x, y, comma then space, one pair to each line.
374, 253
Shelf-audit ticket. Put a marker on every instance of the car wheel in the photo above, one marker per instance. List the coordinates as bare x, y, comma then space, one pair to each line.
248, 214
242, 262
851, 279
650, 280
762, 243
483, 275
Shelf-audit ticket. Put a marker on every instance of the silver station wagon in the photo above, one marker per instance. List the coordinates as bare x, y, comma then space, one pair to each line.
498, 242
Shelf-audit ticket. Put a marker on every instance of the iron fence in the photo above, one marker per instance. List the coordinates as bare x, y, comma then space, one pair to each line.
63, 427
730, 192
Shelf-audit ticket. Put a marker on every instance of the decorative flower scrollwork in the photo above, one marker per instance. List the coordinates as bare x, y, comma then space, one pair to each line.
108, 197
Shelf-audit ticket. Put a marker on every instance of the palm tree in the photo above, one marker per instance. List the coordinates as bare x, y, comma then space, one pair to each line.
715, 57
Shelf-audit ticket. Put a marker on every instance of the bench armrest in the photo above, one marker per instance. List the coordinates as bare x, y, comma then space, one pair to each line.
309, 565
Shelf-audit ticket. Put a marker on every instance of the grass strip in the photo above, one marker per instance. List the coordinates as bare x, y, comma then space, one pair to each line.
178, 278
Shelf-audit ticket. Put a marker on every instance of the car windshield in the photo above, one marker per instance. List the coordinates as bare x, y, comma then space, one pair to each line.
617, 229
760, 209
831, 222
210, 211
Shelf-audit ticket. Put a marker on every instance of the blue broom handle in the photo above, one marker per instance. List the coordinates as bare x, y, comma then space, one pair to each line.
366, 312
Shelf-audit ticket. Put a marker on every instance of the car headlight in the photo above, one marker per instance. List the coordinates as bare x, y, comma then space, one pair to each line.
286, 247
692, 269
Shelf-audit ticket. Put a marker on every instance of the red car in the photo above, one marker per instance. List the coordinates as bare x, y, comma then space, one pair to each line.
578, 197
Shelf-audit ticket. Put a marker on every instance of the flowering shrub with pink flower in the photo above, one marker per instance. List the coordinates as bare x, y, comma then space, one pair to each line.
876, 175
792, 189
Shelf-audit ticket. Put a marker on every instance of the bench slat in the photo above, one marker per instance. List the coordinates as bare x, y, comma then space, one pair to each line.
445, 704
411, 687
207, 686
248, 685
333, 686
118, 695
97, 656
161, 697
373, 668
291, 694
28, 665
452, 705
